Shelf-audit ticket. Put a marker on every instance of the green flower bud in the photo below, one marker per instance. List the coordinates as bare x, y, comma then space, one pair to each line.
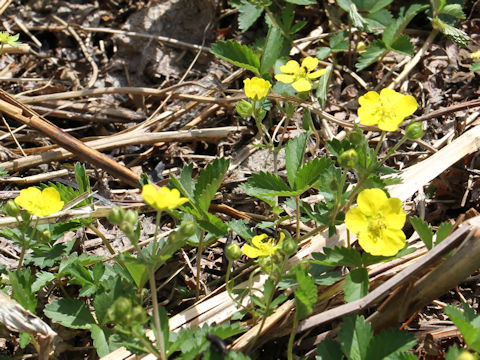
244, 108
120, 310
11, 208
138, 315
289, 246
356, 137
126, 227
348, 159
45, 235
414, 131
187, 229
131, 217
233, 252
116, 215
465, 355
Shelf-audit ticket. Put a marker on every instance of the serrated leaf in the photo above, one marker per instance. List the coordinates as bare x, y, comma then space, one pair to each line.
456, 35
402, 45
310, 173
356, 285
305, 295
376, 50
258, 193
357, 20
82, 180
454, 10
71, 313
45, 256
237, 54
322, 88
389, 342
378, 5
248, 13
294, 152
186, 180
442, 232
338, 43
111, 289
273, 47
240, 227
267, 181
329, 349
100, 340
423, 230
209, 181
43, 278
213, 225
379, 20
21, 282
338, 256
391, 32
302, 2
355, 335
475, 66
464, 323
323, 52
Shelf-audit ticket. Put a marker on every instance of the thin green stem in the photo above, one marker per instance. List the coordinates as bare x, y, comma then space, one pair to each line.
101, 236
156, 316
379, 144
199, 267
297, 202
26, 244
147, 345
292, 338
155, 235
230, 286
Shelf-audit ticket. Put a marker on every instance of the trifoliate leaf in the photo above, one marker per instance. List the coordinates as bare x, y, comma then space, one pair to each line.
389, 342
376, 49
356, 284
309, 174
237, 54
71, 313
423, 230
209, 181
248, 13
294, 152
267, 181
338, 256
355, 335
338, 42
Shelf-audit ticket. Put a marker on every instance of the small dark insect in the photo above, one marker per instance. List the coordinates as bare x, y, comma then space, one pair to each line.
217, 343
270, 232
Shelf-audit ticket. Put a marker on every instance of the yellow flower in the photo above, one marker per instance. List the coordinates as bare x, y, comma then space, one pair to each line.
163, 198
377, 221
261, 247
40, 203
475, 55
256, 88
301, 76
6, 38
387, 110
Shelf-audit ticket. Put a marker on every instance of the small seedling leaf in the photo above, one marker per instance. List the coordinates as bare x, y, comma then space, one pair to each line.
423, 230
248, 13
442, 232
356, 284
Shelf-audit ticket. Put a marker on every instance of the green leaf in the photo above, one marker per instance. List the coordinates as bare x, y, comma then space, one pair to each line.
82, 180
453, 353
323, 83
310, 173
376, 50
442, 232
329, 349
302, 2
338, 42
209, 181
45, 256
456, 35
241, 228
273, 47
402, 45
43, 278
136, 268
305, 295
100, 340
389, 342
423, 230
475, 66
379, 19
355, 335
22, 282
378, 5
338, 256
71, 313
214, 225
237, 54
454, 10
111, 289
358, 20
294, 152
248, 13
267, 181
323, 52
259, 193
356, 284
402, 356
465, 322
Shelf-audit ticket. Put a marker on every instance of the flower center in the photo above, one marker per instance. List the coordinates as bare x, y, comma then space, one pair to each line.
376, 226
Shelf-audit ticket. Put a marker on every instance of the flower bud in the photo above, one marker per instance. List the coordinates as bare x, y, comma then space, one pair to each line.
187, 229
233, 252
138, 315
348, 159
120, 310
414, 131
131, 217
11, 208
116, 215
244, 108
289, 246
45, 235
355, 137
465, 355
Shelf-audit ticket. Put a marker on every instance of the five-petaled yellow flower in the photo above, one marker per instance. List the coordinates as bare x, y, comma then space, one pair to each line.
475, 55
301, 76
261, 247
377, 221
6, 38
386, 110
40, 203
256, 88
163, 198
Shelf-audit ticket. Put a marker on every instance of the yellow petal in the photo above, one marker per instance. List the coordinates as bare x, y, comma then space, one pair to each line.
302, 85
394, 215
291, 67
407, 105
370, 201
250, 251
310, 63
368, 116
393, 241
51, 202
389, 123
316, 74
356, 221
28, 198
258, 240
149, 193
370, 98
287, 79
